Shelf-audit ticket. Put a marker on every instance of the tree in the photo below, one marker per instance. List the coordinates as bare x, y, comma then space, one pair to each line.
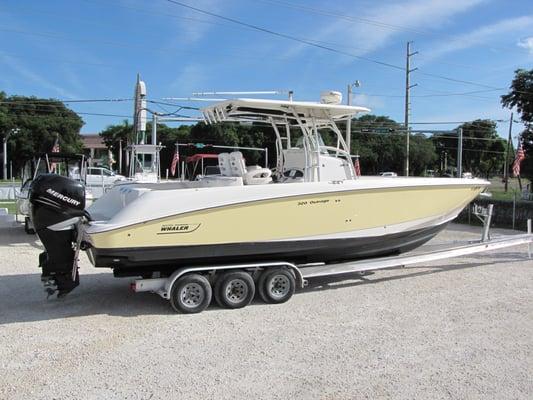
380, 143
422, 154
38, 122
520, 96
483, 149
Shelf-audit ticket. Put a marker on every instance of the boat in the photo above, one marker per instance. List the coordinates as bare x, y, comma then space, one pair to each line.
311, 207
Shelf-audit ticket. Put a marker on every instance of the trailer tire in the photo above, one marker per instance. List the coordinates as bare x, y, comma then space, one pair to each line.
276, 286
234, 289
191, 294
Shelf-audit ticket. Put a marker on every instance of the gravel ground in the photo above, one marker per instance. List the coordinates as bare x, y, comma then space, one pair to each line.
458, 329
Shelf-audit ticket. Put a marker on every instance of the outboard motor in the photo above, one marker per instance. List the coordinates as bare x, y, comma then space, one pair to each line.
57, 204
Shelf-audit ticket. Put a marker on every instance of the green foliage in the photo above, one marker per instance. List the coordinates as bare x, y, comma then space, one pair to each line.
520, 96
379, 151
422, 154
483, 149
380, 143
527, 143
38, 122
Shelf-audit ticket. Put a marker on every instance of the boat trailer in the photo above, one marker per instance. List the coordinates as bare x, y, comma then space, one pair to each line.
190, 289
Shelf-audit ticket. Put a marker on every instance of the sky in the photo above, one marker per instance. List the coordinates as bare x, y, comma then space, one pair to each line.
468, 51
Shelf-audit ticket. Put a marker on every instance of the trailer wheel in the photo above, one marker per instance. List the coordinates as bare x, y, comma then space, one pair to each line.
191, 294
234, 289
276, 286
27, 228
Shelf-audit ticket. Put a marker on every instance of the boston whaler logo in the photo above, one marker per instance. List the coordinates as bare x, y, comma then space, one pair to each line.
62, 197
167, 229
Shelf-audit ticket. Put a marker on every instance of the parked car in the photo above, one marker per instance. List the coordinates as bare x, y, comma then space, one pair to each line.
97, 176
388, 174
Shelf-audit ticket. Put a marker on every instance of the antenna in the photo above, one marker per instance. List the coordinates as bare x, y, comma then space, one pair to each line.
241, 93
139, 111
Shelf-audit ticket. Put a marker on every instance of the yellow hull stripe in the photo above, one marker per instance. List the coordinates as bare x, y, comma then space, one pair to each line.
292, 217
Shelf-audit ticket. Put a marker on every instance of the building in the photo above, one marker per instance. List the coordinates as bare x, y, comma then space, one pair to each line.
95, 149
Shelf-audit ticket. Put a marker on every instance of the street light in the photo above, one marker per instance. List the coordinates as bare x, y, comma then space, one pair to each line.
6, 137
349, 121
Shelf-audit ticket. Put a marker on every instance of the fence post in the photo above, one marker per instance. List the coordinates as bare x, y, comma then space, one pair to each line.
514, 208
530, 245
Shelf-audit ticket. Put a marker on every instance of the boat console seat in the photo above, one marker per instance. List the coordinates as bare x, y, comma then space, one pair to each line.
252, 175
224, 164
255, 175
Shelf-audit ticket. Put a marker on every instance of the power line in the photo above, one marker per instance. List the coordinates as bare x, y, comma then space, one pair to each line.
331, 49
466, 138
37, 101
283, 35
55, 115
376, 23
471, 150
127, 46
254, 27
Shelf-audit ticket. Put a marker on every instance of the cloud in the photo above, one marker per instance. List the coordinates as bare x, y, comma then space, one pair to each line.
191, 78
26, 73
526, 43
194, 26
414, 16
482, 35
368, 101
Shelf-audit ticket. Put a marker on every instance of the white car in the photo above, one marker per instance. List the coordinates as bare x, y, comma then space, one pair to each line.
98, 176
388, 174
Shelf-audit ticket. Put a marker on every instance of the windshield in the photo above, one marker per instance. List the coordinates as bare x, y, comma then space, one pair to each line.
145, 163
300, 145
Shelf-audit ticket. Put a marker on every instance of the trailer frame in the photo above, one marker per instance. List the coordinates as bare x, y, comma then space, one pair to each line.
163, 286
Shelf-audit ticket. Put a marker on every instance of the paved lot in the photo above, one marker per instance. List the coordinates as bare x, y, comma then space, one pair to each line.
458, 329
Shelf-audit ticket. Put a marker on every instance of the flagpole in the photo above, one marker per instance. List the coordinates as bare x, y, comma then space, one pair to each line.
178, 164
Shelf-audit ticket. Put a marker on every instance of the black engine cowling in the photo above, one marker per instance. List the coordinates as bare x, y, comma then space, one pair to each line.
55, 199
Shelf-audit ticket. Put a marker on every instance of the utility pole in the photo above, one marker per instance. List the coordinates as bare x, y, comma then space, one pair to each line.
120, 156
4, 140
460, 153
507, 152
349, 120
4, 176
408, 87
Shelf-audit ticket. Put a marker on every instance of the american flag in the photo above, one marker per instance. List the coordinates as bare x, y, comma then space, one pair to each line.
175, 161
357, 166
55, 149
520, 155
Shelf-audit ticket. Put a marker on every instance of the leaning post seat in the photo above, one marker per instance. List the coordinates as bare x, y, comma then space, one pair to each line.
252, 175
224, 164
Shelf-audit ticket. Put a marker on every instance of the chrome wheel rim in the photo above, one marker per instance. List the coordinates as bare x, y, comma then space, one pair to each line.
192, 295
236, 291
279, 286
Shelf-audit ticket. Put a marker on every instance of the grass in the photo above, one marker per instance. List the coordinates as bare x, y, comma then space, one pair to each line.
10, 205
10, 181
497, 188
